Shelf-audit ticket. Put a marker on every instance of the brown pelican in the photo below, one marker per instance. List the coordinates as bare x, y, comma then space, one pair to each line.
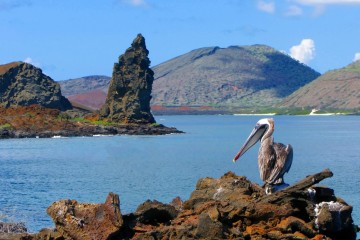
274, 159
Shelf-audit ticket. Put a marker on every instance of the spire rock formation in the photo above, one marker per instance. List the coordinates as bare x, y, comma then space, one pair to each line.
129, 95
22, 84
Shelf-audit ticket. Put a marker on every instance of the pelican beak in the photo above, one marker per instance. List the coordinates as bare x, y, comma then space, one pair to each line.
253, 138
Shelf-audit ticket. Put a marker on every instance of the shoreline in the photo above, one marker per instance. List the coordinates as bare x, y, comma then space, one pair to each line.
91, 131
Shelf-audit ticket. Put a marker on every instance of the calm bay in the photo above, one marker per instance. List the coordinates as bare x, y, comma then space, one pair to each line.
36, 172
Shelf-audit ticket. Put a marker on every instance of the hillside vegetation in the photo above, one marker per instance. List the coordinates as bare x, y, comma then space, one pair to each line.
334, 90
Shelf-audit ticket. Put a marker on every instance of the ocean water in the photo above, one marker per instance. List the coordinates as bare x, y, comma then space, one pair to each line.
36, 172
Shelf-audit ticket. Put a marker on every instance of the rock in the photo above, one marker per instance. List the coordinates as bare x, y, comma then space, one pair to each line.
322, 193
333, 218
295, 224
12, 227
230, 207
22, 84
85, 221
154, 212
129, 94
208, 228
177, 203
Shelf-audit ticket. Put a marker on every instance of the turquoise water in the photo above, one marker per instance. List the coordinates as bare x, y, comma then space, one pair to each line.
36, 172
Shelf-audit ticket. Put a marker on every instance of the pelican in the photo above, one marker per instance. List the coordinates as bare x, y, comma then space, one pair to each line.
274, 159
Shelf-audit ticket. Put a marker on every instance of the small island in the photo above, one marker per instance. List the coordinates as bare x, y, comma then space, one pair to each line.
31, 103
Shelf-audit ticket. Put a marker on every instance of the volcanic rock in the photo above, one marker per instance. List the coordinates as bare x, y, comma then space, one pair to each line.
154, 212
22, 84
80, 221
231, 207
12, 227
129, 95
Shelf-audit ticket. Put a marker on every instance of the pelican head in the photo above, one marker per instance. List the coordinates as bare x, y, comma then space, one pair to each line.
257, 133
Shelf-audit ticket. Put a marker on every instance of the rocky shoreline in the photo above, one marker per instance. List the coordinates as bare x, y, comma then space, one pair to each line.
91, 131
32, 106
39, 122
230, 207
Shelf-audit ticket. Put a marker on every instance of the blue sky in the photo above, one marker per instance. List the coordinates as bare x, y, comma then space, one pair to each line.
75, 38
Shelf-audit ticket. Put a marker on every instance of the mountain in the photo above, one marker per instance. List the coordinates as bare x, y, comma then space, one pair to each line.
337, 89
238, 76
22, 84
88, 91
81, 85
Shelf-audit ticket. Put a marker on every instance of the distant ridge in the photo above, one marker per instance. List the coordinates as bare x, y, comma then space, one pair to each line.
87, 91
85, 84
337, 89
256, 76
237, 76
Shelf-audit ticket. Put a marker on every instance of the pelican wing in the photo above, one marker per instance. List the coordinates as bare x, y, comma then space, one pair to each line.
283, 162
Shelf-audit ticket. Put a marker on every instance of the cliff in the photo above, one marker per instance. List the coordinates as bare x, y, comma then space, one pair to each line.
129, 94
230, 207
22, 84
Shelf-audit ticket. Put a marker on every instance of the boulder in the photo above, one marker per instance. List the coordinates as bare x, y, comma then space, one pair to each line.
129, 94
333, 218
85, 221
154, 212
22, 84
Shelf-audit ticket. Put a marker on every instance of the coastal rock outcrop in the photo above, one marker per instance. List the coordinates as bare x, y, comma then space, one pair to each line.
129, 95
37, 121
82, 221
230, 207
22, 84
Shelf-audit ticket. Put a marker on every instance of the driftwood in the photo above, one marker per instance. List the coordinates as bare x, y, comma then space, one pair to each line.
297, 187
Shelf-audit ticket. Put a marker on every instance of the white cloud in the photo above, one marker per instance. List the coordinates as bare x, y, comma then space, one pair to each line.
32, 62
294, 10
268, 7
357, 57
327, 2
304, 52
135, 3
320, 5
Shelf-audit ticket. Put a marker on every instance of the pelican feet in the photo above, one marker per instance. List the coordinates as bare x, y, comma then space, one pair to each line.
271, 188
